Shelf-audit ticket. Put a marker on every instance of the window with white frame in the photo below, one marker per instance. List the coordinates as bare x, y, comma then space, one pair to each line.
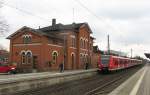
73, 44
81, 58
27, 39
26, 57
81, 43
54, 56
29, 57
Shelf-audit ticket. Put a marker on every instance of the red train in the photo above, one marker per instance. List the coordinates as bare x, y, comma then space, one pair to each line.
111, 63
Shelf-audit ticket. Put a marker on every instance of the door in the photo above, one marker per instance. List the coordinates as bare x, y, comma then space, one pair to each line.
35, 62
73, 61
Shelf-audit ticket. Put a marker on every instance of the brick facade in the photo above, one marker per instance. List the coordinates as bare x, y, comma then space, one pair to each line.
45, 48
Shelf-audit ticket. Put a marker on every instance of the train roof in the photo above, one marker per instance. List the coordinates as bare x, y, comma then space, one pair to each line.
121, 57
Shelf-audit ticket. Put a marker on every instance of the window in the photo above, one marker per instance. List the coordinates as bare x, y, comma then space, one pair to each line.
84, 43
29, 58
81, 43
23, 58
27, 39
86, 58
54, 55
26, 57
91, 46
81, 58
73, 43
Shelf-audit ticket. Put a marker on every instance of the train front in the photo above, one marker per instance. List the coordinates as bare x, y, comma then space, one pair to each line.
104, 63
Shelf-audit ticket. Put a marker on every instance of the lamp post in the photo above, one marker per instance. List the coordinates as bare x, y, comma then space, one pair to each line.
64, 49
131, 52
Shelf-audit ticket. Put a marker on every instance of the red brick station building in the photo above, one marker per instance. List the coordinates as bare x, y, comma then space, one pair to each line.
45, 48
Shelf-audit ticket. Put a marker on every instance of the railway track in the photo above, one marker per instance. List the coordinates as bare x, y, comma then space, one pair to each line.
107, 85
96, 85
99, 90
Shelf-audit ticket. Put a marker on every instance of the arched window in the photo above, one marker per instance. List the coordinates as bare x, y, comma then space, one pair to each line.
86, 59
29, 57
27, 39
85, 44
23, 58
73, 43
81, 43
54, 55
81, 58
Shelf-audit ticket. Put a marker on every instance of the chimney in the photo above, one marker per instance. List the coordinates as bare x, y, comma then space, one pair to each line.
53, 21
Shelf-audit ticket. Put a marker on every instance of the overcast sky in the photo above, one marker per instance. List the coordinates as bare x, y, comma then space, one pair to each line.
126, 21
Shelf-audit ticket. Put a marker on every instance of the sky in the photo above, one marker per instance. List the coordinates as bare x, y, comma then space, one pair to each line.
126, 21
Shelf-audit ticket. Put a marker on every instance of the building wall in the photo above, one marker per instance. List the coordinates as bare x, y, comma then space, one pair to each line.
71, 51
84, 51
95, 60
42, 48
48, 56
17, 46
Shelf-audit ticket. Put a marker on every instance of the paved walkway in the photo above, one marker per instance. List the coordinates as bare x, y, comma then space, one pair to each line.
138, 84
144, 88
6, 77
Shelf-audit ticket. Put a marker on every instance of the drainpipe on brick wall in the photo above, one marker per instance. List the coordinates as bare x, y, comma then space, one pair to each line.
64, 51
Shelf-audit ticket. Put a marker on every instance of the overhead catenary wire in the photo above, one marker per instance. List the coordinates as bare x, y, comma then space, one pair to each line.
24, 11
1, 21
95, 15
21, 10
82, 5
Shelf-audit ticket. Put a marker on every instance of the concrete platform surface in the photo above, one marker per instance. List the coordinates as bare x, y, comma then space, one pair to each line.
14, 77
15, 83
144, 88
137, 84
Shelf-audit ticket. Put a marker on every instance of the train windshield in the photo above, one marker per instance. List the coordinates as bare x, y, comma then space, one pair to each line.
105, 59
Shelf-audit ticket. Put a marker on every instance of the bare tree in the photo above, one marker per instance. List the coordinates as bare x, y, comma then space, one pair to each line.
3, 24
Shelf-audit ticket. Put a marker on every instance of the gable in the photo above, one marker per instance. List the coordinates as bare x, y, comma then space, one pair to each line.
18, 36
21, 31
86, 26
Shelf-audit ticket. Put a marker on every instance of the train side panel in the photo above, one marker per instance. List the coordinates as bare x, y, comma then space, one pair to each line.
112, 63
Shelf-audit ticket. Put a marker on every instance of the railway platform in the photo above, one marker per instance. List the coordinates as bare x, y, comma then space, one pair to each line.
138, 84
20, 82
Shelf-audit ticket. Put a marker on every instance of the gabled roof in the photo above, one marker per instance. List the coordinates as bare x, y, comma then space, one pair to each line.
36, 31
59, 27
49, 31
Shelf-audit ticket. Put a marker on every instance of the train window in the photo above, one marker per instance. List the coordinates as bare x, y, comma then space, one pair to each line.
105, 61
